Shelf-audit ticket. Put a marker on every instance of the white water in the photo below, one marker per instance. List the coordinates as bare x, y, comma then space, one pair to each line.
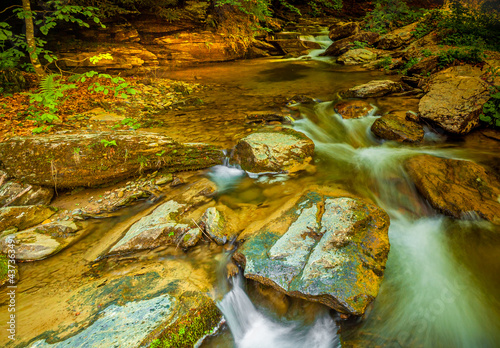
252, 329
427, 299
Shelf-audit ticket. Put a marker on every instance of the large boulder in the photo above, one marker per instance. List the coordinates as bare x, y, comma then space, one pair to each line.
455, 99
326, 249
95, 158
274, 150
13, 193
373, 89
397, 38
40, 242
394, 126
357, 56
343, 45
462, 189
342, 30
24, 217
353, 108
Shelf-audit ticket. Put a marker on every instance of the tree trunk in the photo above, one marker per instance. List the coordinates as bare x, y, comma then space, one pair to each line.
30, 39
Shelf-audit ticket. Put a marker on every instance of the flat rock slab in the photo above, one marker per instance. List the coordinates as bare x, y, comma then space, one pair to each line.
40, 242
326, 249
95, 158
373, 89
24, 217
455, 99
462, 189
273, 151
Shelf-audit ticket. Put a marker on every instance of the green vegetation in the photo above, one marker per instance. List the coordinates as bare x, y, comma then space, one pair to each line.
107, 143
358, 44
463, 54
389, 15
491, 109
385, 63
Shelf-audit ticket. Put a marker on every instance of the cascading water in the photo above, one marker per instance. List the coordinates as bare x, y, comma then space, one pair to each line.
251, 329
428, 299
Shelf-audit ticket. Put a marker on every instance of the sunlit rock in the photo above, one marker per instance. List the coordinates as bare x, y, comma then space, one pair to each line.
455, 99
462, 189
342, 30
353, 108
273, 151
67, 160
357, 56
326, 249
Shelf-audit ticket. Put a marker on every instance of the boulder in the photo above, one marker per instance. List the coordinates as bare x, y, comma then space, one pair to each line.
67, 160
357, 56
342, 30
343, 45
13, 193
353, 108
24, 217
170, 223
325, 249
397, 38
394, 126
462, 189
274, 150
40, 242
455, 99
373, 89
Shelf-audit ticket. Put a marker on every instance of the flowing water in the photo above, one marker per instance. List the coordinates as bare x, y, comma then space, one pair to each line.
441, 285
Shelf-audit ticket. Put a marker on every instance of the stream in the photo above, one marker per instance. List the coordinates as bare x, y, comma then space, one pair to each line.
441, 286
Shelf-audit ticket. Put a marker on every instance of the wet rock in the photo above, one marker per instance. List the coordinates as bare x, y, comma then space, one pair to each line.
3, 177
94, 158
343, 45
325, 249
164, 179
353, 108
291, 47
267, 47
15, 194
162, 304
267, 117
373, 89
455, 99
199, 192
191, 237
394, 126
24, 217
462, 189
397, 38
158, 228
342, 30
357, 56
273, 151
40, 242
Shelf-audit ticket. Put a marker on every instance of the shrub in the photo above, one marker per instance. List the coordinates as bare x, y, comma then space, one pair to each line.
389, 15
491, 109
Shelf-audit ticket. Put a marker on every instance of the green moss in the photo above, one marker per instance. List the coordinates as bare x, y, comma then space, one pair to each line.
4, 268
187, 330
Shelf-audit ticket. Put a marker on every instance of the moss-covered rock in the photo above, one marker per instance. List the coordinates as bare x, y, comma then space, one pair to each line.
462, 189
4, 271
94, 158
274, 150
394, 126
325, 249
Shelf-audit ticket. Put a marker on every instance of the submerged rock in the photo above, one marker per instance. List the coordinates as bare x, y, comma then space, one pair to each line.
455, 99
462, 189
94, 158
395, 126
40, 242
274, 151
373, 89
353, 108
15, 194
24, 217
325, 249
